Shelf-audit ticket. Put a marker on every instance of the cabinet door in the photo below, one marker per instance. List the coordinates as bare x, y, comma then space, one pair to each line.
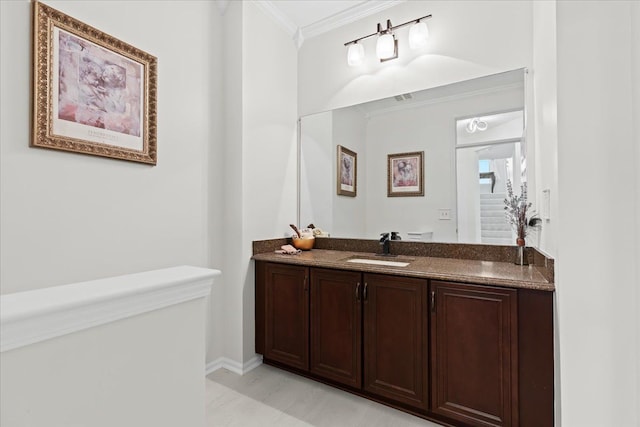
395, 337
287, 315
474, 354
336, 324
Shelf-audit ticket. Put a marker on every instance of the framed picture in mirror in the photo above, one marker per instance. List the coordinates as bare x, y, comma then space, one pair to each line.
405, 174
347, 168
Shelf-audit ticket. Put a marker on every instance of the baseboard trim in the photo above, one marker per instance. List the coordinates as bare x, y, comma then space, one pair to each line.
232, 365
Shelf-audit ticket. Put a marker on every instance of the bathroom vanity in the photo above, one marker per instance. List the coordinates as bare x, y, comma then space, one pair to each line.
463, 342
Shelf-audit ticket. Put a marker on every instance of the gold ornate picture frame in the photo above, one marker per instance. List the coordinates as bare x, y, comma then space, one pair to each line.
92, 93
405, 174
347, 167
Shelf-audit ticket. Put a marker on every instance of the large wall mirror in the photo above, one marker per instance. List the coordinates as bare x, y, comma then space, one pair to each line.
461, 143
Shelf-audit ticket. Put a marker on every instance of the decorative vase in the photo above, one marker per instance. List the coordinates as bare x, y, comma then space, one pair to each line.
521, 255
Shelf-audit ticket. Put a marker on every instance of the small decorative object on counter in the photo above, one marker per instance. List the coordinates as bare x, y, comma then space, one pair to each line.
517, 212
303, 239
288, 250
317, 232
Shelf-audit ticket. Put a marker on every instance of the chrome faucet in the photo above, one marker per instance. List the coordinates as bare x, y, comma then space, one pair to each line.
385, 238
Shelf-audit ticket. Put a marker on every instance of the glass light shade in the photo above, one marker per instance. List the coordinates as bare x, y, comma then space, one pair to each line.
355, 55
476, 124
386, 46
418, 35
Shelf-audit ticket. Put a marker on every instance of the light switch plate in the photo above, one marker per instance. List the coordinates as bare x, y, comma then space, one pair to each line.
546, 203
444, 214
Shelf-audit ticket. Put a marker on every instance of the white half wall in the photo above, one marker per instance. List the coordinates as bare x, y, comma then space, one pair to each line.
126, 351
141, 371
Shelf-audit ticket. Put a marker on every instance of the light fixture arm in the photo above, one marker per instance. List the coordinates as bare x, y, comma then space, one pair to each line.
388, 30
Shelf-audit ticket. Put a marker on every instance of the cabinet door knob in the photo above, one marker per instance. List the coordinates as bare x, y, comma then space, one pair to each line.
433, 301
364, 291
358, 291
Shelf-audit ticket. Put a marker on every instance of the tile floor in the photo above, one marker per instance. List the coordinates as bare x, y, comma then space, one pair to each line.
268, 396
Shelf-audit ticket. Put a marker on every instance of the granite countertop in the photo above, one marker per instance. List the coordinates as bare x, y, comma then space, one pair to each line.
459, 270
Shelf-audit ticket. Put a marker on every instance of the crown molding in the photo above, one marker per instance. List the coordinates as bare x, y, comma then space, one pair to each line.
300, 34
222, 6
348, 16
276, 14
298, 38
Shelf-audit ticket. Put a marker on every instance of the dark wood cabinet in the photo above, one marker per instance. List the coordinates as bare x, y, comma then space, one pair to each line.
474, 354
395, 338
390, 312
459, 354
336, 326
286, 311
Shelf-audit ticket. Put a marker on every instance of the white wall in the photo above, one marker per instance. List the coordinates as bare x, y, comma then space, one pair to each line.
468, 196
68, 217
350, 213
320, 204
226, 160
145, 370
467, 40
317, 167
545, 122
597, 281
269, 155
215, 176
232, 182
635, 52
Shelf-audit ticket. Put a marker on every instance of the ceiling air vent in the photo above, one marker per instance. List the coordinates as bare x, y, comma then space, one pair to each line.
403, 97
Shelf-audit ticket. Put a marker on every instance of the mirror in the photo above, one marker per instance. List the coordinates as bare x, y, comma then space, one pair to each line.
463, 141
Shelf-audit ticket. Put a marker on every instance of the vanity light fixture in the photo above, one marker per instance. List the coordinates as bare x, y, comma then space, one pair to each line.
355, 54
418, 35
476, 124
387, 44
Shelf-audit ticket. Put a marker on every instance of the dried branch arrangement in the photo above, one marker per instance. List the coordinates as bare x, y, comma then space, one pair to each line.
517, 211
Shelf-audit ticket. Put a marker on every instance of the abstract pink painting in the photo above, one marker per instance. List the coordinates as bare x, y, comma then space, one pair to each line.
92, 93
97, 87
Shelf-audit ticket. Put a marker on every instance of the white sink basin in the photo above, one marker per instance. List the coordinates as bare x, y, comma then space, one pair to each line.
379, 262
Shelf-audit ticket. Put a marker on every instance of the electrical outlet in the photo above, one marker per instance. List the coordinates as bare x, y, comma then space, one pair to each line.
444, 214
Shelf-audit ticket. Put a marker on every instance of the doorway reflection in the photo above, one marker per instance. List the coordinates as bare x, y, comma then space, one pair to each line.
488, 154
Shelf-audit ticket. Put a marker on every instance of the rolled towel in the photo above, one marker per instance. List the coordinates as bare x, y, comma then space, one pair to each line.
288, 250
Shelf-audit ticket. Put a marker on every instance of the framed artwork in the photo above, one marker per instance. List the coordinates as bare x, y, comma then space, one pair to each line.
347, 172
405, 174
92, 93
